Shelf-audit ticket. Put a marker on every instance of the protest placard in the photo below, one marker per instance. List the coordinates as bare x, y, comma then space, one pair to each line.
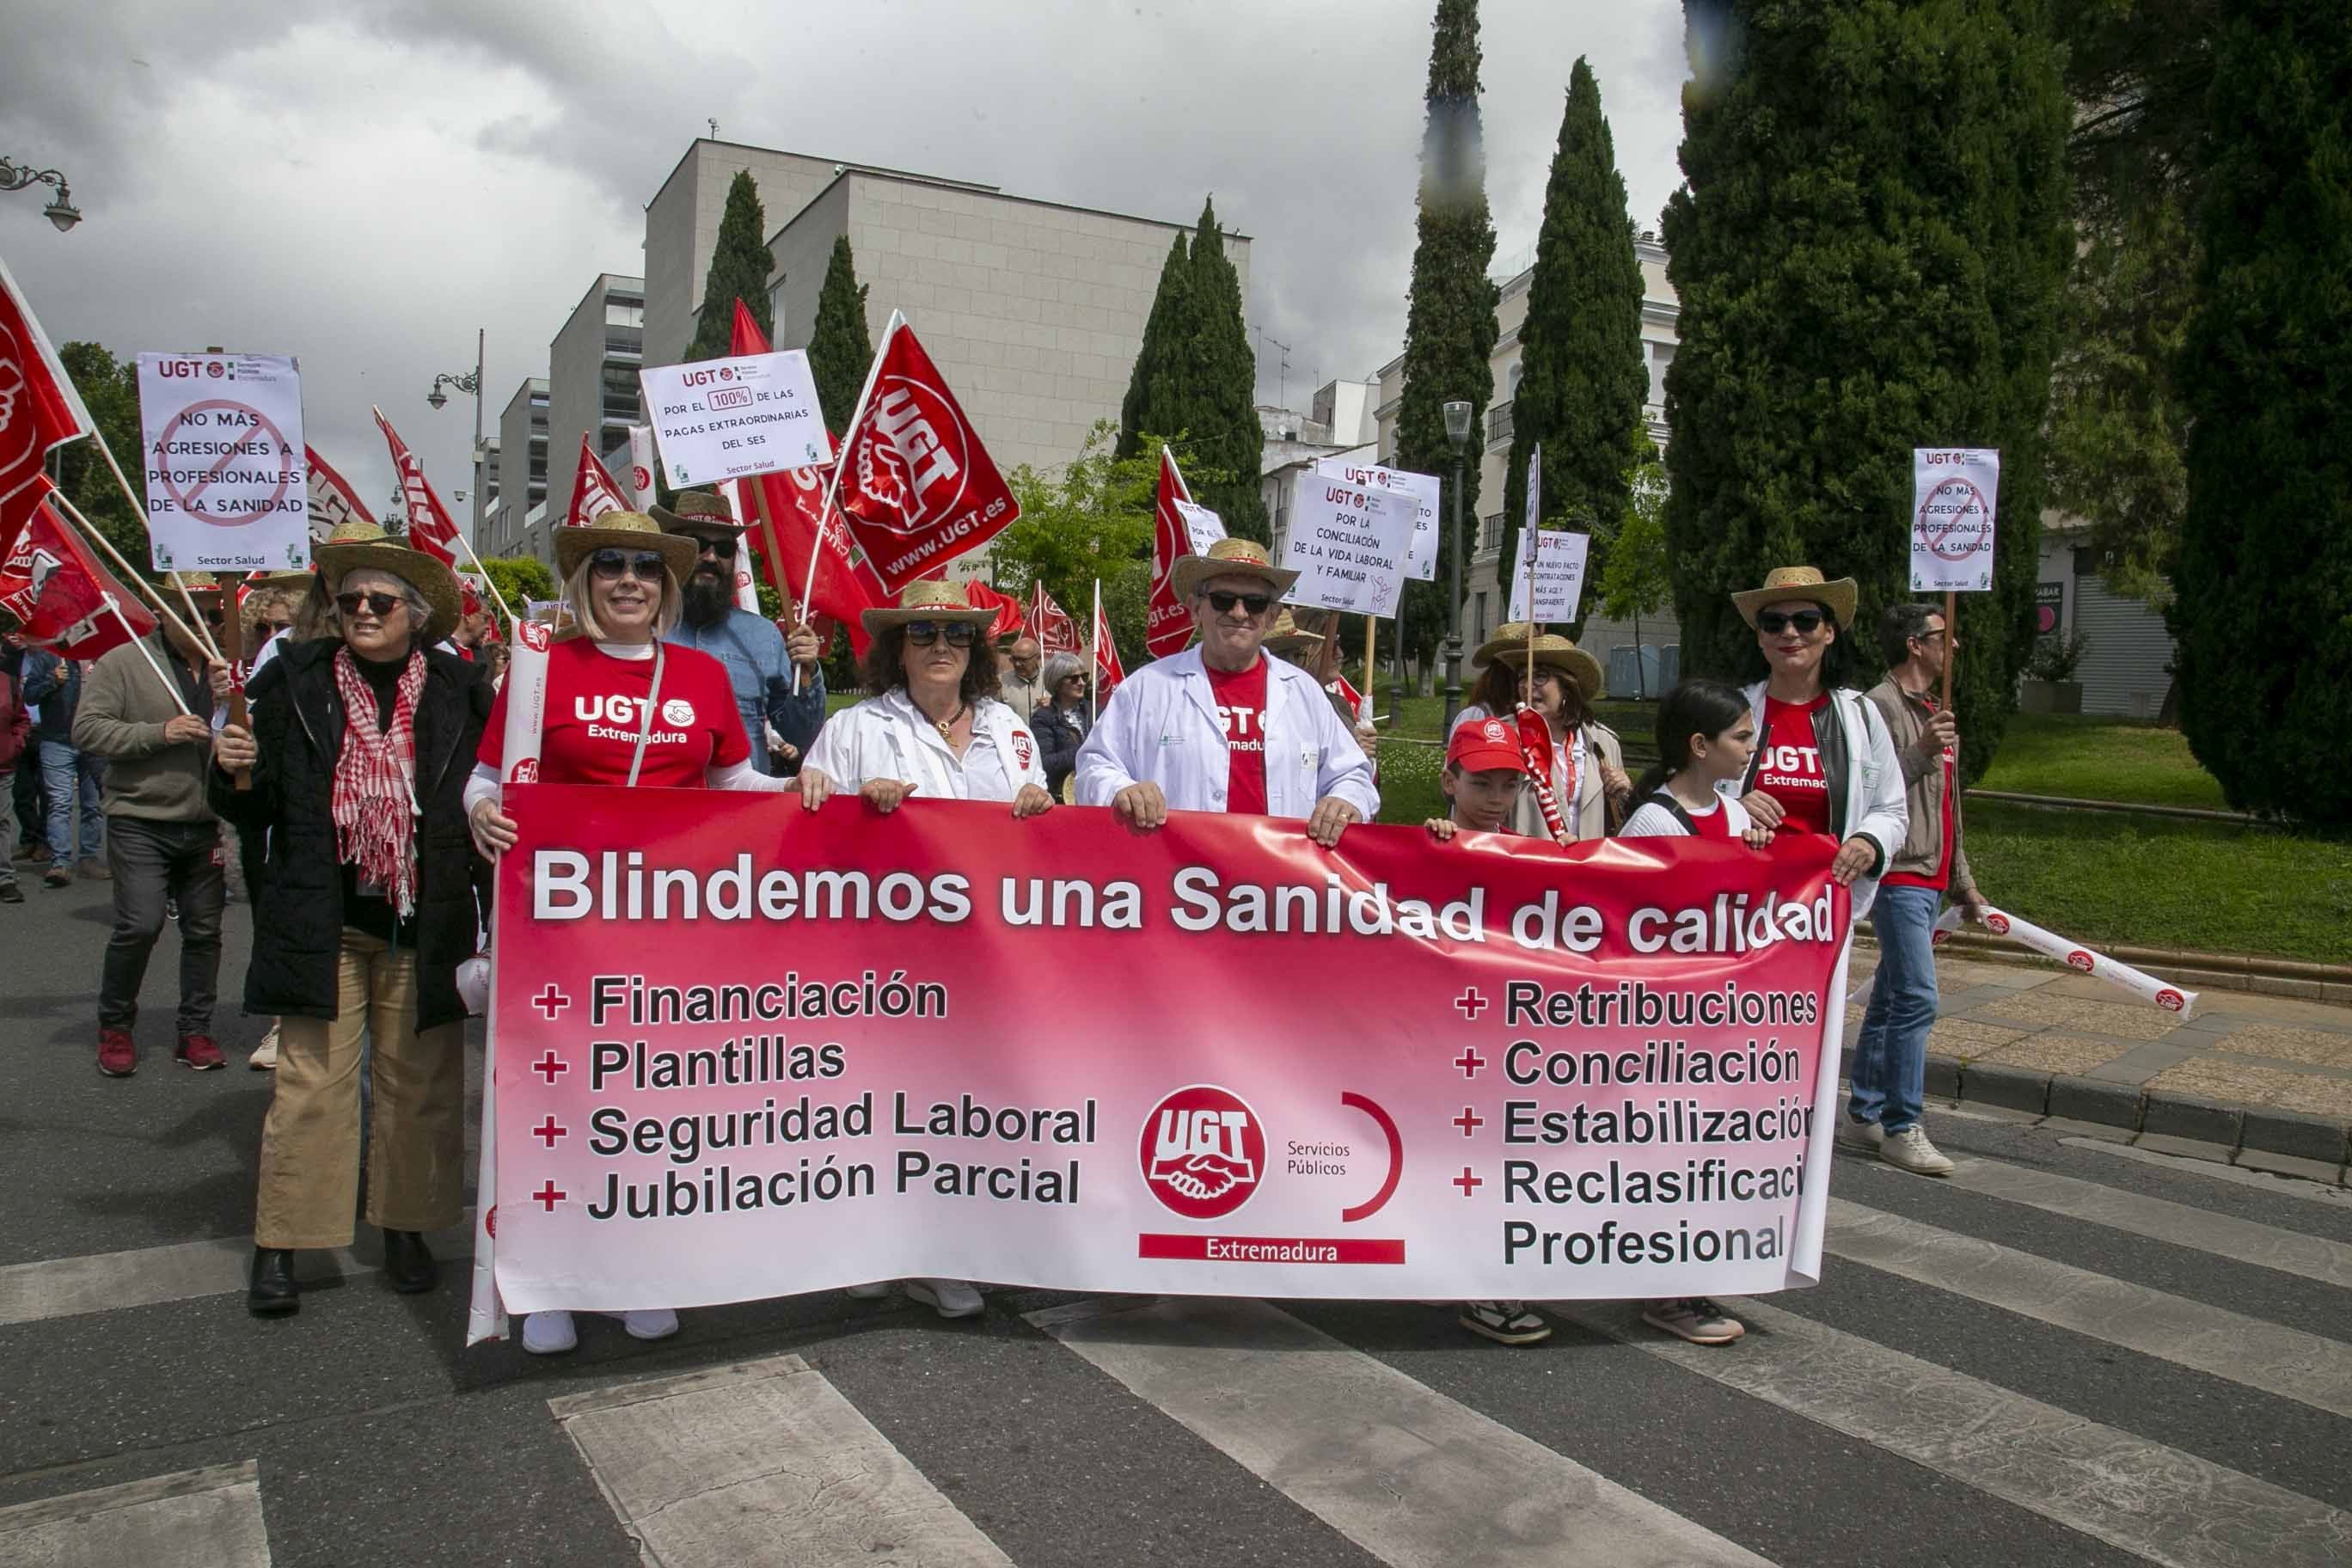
736, 1049
1955, 492
724, 419
1420, 553
1202, 526
1348, 544
1559, 565
226, 480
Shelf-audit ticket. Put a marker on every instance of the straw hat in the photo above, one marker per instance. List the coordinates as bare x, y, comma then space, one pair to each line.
1806, 583
1228, 558
355, 545
626, 531
1286, 637
927, 599
297, 581
1556, 652
193, 582
698, 514
1511, 636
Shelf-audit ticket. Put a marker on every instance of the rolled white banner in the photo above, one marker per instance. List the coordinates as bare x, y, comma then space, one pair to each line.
2074, 955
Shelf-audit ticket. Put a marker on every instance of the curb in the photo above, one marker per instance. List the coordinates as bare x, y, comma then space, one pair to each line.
2324, 1141
2127, 807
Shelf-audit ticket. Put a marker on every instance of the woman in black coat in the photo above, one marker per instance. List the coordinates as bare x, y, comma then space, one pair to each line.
1060, 721
358, 751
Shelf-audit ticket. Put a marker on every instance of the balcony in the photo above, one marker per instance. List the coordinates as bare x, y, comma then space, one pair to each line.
1498, 425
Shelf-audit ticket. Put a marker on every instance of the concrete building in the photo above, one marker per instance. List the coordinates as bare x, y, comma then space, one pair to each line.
1341, 426
1486, 596
518, 527
2127, 651
592, 377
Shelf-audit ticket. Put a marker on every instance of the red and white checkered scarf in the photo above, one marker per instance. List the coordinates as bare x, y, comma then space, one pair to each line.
375, 820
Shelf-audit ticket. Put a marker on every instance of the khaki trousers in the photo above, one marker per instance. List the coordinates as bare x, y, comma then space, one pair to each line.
310, 1144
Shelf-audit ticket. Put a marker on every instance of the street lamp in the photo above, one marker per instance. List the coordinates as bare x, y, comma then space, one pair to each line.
1457, 430
472, 386
60, 212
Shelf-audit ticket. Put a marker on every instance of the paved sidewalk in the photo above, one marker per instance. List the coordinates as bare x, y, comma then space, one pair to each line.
2239, 1050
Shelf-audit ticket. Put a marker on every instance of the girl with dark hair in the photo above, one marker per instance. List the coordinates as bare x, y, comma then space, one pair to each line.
1706, 736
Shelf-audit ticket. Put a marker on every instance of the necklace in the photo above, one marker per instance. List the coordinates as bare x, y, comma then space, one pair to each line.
945, 727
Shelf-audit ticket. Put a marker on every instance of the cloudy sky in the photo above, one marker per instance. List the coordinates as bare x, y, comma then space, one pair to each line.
362, 184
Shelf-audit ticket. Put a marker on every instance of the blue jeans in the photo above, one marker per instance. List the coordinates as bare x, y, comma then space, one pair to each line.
63, 766
1890, 1060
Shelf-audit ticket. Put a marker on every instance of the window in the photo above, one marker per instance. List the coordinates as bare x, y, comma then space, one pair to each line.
623, 311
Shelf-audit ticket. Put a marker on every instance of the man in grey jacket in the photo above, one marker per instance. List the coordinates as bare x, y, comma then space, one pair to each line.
162, 842
1890, 1058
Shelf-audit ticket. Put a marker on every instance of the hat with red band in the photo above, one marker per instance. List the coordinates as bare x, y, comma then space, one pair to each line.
1480, 746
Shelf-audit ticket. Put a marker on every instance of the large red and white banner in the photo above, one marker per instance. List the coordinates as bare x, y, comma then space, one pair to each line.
743, 1051
917, 486
62, 598
595, 492
430, 527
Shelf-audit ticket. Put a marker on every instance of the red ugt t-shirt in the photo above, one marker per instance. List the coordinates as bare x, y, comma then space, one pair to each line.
1790, 770
595, 706
1240, 701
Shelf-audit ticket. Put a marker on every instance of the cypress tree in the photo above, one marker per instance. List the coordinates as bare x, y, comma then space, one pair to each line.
840, 348
1166, 303
2264, 611
1870, 249
1449, 329
1220, 401
740, 265
1582, 375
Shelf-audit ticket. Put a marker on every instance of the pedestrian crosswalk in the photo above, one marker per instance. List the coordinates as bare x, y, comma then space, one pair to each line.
1170, 1430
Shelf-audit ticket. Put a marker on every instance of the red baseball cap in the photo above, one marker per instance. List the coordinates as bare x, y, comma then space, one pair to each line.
1480, 746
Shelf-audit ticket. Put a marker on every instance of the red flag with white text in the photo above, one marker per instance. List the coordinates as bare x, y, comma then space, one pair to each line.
1108, 671
595, 492
917, 486
333, 500
39, 410
430, 527
65, 600
1167, 620
1050, 624
846, 585
1008, 618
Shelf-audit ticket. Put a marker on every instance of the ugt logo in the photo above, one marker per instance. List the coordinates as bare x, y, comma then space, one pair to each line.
1202, 1152
912, 462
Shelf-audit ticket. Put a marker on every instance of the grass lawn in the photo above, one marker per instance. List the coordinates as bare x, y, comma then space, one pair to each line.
2100, 758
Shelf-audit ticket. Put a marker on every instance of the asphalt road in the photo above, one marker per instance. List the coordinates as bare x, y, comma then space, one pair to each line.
2064, 1355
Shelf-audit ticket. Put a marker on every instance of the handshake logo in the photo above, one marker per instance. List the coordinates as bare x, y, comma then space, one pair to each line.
1202, 1152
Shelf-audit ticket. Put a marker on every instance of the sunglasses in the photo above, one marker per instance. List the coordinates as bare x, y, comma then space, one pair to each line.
1775, 622
1223, 603
722, 548
212, 617
959, 634
273, 627
611, 564
379, 605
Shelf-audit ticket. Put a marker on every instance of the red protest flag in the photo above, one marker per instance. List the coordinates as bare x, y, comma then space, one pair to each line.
595, 492
917, 486
430, 527
40, 411
1049, 623
333, 500
1167, 621
1108, 671
1008, 619
67, 602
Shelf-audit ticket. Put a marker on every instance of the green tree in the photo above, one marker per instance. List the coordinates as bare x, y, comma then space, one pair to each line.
1870, 251
740, 265
1581, 372
519, 578
1196, 382
109, 389
1635, 581
2263, 616
840, 349
1449, 325
1166, 304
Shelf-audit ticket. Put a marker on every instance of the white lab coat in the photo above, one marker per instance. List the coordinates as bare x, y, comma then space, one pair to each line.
1874, 806
1162, 728
886, 737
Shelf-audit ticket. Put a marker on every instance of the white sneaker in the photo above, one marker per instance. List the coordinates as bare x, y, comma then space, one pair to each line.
1862, 1137
549, 1333
265, 1055
654, 1323
1910, 1151
948, 1298
876, 1290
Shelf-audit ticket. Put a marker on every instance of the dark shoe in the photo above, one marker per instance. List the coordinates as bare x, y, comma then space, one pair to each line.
272, 1292
10, 893
35, 853
56, 877
116, 1056
94, 871
199, 1051
408, 1263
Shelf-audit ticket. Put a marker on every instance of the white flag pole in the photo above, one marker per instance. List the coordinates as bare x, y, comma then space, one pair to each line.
130, 572
204, 637
170, 686
1094, 660
850, 433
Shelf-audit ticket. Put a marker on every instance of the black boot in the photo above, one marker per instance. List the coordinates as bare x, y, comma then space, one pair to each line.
272, 1292
407, 1262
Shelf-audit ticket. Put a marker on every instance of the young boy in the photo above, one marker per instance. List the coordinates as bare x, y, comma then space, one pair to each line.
1483, 775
